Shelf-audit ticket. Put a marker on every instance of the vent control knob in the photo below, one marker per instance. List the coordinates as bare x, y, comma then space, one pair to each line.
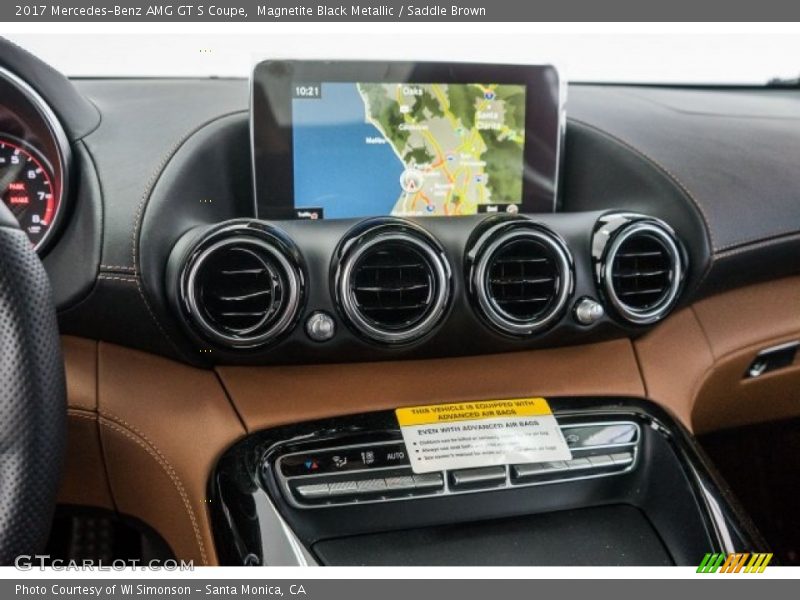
320, 326
588, 311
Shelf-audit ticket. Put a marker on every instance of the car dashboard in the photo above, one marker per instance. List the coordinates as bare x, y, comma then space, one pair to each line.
214, 333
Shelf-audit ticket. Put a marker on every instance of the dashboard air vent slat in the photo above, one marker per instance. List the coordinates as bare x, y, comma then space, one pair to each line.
521, 277
238, 288
644, 269
641, 272
393, 283
242, 289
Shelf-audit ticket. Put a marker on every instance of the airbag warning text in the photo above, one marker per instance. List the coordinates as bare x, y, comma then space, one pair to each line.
477, 434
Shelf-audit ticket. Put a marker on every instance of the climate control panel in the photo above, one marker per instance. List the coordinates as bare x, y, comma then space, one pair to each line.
381, 471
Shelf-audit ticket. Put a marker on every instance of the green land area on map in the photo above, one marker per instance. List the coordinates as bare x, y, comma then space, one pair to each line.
461, 144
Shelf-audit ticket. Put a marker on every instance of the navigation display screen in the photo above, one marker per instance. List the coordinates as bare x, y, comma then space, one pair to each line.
405, 149
351, 140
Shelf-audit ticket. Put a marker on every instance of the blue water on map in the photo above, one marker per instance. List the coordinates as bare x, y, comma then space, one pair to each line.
333, 166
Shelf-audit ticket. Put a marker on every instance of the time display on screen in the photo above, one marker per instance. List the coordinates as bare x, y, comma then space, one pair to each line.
307, 90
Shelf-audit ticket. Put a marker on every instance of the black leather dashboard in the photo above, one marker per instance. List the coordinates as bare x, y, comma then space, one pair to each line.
733, 155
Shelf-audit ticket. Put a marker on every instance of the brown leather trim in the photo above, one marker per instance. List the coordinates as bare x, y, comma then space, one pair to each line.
270, 396
751, 315
725, 399
673, 359
85, 482
156, 428
163, 426
694, 362
80, 363
738, 324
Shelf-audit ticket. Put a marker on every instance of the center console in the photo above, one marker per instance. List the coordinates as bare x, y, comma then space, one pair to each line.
636, 491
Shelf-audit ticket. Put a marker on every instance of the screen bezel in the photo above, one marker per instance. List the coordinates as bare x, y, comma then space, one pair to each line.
271, 120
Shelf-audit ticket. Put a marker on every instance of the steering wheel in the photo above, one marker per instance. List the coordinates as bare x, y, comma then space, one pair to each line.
33, 412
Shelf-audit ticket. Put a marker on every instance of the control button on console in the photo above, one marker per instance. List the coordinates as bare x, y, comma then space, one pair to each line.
531, 470
313, 491
428, 481
399, 484
343, 488
478, 477
622, 458
601, 460
380, 456
600, 435
579, 464
368, 486
394, 455
300, 464
325, 462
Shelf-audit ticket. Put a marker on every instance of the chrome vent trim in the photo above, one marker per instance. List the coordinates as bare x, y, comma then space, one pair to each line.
392, 282
242, 287
539, 278
641, 271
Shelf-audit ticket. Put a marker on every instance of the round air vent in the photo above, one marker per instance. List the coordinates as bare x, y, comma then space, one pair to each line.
392, 282
242, 287
642, 271
520, 276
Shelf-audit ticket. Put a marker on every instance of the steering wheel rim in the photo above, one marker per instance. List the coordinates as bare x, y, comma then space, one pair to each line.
32, 396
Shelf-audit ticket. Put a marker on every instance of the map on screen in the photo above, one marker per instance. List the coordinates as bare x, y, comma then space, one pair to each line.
403, 149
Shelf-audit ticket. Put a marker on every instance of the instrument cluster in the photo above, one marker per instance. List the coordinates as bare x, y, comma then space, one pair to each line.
34, 161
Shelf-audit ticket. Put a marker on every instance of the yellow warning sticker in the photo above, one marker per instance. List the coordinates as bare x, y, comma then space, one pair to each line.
465, 411
485, 433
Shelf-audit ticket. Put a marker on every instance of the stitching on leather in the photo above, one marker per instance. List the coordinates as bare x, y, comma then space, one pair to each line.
94, 417
127, 279
74, 413
118, 268
80, 406
153, 451
157, 175
670, 175
133, 428
121, 426
137, 222
760, 238
761, 243
708, 271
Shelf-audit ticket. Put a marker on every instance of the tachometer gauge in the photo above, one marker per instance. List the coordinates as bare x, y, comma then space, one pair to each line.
27, 187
